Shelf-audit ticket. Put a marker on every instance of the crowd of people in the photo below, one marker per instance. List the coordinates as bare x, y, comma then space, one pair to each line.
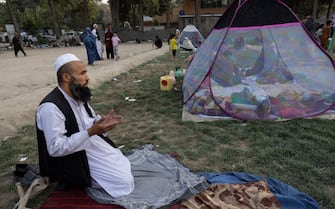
95, 50
323, 33
94, 47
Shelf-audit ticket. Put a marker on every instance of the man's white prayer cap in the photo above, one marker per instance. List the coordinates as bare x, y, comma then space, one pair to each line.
64, 59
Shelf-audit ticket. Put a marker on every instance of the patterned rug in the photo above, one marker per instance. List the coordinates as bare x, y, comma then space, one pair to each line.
77, 199
73, 199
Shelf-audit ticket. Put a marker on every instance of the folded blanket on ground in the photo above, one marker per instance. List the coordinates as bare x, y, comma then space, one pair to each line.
226, 196
160, 181
288, 197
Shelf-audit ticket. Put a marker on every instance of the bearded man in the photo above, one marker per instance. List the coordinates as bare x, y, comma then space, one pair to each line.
73, 146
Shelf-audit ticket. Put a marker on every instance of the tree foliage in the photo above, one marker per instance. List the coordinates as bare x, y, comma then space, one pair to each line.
302, 8
37, 15
34, 15
150, 7
130, 9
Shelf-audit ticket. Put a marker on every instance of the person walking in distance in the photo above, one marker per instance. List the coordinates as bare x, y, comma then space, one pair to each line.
17, 44
116, 40
98, 43
108, 43
326, 34
90, 44
173, 46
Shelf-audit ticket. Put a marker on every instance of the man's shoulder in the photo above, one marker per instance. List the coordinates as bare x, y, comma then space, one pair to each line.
47, 107
56, 97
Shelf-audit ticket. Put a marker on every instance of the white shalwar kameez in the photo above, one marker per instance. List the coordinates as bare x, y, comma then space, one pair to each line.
108, 166
99, 45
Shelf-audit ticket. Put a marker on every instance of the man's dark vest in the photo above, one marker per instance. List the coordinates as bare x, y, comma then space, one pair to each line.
72, 169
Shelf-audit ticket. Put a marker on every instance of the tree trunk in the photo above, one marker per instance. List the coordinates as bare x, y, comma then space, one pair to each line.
168, 14
12, 15
315, 8
114, 6
293, 4
133, 18
57, 31
330, 4
86, 14
196, 13
140, 14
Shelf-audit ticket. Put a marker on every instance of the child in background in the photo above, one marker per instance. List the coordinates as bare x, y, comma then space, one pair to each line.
115, 41
173, 46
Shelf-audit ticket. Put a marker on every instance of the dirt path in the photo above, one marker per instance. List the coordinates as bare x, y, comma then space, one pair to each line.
24, 81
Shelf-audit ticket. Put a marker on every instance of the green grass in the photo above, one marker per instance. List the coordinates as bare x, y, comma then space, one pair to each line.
299, 152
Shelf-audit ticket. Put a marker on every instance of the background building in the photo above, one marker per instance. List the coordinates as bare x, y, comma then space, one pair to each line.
209, 12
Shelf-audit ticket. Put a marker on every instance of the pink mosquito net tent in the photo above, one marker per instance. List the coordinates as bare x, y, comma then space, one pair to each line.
259, 63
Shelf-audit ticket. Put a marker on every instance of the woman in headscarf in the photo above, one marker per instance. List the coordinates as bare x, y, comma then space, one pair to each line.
90, 43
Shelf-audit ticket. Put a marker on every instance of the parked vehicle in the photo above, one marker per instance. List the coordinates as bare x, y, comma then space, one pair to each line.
49, 38
4, 46
32, 39
70, 38
4, 37
5, 42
